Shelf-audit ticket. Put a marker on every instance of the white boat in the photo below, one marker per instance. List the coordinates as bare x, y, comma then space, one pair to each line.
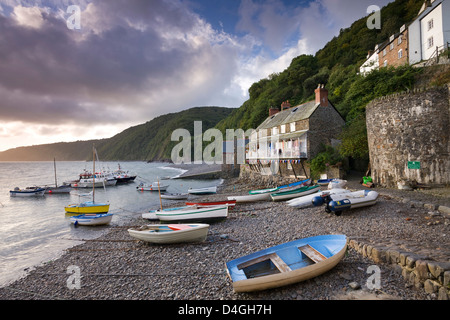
152, 187
285, 195
338, 202
203, 213
28, 192
207, 190
171, 233
306, 200
91, 219
151, 215
174, 196
98, 181
251, 198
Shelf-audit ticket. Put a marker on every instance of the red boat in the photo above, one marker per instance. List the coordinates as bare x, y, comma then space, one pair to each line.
229, 203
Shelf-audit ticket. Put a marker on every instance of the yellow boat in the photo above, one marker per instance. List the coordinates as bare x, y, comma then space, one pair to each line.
87, 207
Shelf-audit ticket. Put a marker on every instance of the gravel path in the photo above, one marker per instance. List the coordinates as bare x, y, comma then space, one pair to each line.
115, 266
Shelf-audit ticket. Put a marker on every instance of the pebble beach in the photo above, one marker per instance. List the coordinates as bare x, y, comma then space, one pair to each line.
118, 267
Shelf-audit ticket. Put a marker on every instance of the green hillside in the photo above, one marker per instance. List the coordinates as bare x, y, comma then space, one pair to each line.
337, 66
148, 141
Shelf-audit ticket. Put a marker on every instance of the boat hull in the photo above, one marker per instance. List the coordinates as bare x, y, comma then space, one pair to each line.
190, 214
167, 234
174, 196
291, 263
201, 191
251, 198
87, 208
58, 190
229, 203
27, 192
306, 201
294, 193
92, 220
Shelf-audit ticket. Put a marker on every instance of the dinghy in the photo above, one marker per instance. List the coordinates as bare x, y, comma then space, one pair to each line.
155, 186
229, 203
28, 192
306, 201
87, 207
174, 196
92, 219
286, 195
193, 213
251, 198
171, 233
338, 202
287, 263
208, 190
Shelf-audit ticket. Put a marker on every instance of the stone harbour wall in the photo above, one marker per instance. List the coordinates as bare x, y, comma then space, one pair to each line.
408, 137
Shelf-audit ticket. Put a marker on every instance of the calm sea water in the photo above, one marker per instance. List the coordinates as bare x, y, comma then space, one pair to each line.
34, 230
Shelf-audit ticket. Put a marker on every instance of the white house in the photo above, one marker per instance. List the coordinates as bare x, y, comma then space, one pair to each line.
372, 62
430, 31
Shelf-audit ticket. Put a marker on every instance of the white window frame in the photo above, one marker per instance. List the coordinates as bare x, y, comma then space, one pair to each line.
400, 53
430, 42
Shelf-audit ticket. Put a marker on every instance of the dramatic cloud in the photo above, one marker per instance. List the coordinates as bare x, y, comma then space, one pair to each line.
136, 59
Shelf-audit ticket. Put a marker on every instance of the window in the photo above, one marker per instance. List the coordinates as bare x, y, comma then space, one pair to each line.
384, 52
385, 63
430, 24
430, 42
399, 41
293, 127
391, 47
400, 53
283, 128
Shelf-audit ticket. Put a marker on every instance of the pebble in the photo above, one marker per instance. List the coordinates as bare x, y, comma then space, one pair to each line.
128, 270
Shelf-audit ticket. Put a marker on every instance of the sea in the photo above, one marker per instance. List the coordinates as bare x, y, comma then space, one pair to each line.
36, 230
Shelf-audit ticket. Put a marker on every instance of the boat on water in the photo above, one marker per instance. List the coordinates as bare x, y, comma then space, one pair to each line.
175, 196
306, 200
229, 203
89, 206
200, 191
287, 263
99, 179
155, 186
92, 219
286, 195
193, 214
63, 189
339, 202
170, 233
27, 192
122, 176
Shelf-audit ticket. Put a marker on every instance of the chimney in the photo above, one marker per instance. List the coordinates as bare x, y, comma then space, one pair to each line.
285, 105
273, 111
321, 95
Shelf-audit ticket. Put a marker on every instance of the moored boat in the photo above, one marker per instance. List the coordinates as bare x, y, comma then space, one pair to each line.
200, 191
87, 207
170, 233
64, 189
28, 192
287, 263
193, 213
92, 219
174, 196
155, 186
286, 195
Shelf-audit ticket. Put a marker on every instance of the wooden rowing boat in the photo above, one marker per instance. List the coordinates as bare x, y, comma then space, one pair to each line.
229, 203
174, 196
91, 219
193, 213
170, 233
286, 195
287, 263
207, 190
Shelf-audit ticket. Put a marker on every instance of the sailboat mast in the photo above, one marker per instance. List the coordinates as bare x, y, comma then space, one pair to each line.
54, 167
93, 173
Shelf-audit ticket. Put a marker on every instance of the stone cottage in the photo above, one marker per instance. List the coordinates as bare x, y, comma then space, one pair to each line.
288, 138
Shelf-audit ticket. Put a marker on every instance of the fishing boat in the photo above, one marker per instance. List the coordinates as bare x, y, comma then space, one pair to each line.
175, 196
207, 190
63, 189
89, 206
229, 203
338, 202
122, 176
170, 233
287, 263
286, 195
155, 186
306, 201
27, 192
99, 179
193, 213
91, 219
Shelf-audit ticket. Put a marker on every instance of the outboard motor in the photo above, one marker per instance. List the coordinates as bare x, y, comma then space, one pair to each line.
338, 206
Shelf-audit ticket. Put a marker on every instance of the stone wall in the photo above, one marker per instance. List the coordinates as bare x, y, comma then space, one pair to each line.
410, 127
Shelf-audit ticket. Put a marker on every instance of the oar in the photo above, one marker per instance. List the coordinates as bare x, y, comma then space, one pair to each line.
159, 191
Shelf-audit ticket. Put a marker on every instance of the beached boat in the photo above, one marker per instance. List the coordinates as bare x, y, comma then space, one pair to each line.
287, 263
207, 190
306, 201
324, 182
91, 219
152, 187
27, 192
251, 197
151, 214
174, 196
338, 202
171, 233
295, 185
193, 213
229, 203
264, 194
286, 195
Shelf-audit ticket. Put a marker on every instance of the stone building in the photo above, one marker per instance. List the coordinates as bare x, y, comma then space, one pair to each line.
409, 138
394, 52
289, 137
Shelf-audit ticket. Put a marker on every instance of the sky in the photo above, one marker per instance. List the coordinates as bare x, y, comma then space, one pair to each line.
88, 69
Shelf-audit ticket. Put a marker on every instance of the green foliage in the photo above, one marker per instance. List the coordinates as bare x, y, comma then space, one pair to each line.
328, 157
354, 139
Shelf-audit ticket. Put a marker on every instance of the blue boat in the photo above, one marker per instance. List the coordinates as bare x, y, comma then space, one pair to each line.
287, 263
